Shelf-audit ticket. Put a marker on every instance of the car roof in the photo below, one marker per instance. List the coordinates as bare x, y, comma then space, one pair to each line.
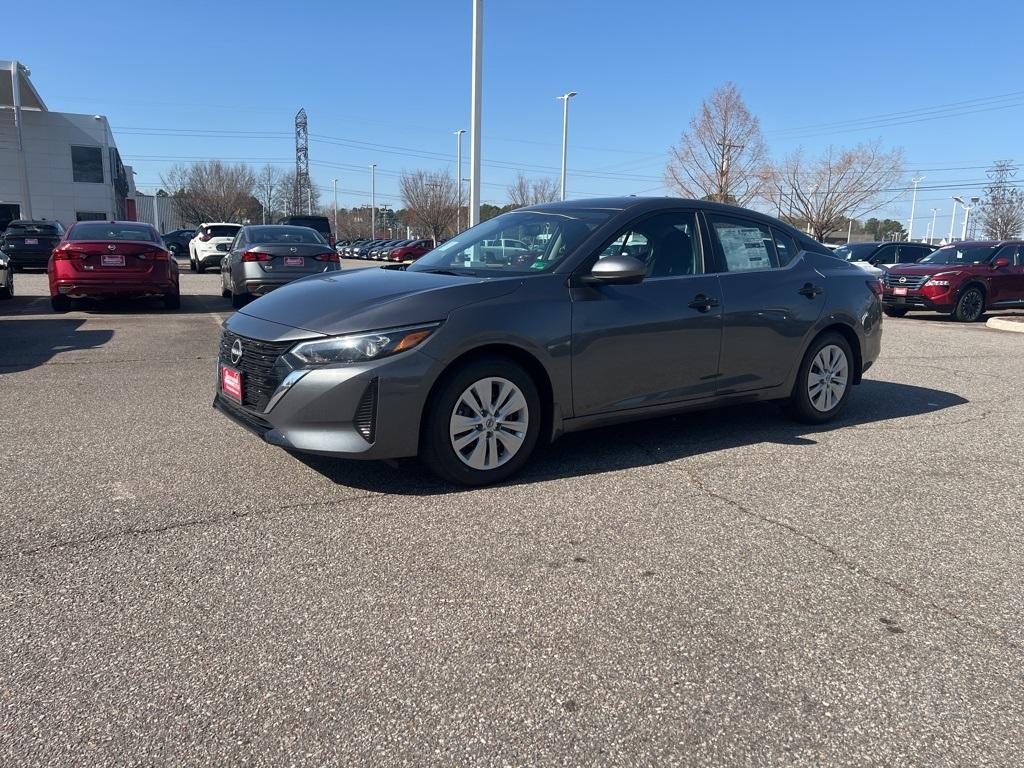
992, 243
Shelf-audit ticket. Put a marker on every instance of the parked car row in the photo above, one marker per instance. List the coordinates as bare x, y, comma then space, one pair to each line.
386, 250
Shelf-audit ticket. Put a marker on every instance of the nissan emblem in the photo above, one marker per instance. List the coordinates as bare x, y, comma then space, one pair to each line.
236, 352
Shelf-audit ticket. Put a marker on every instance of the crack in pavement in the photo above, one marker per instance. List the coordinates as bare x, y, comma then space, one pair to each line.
179, 525
847, 562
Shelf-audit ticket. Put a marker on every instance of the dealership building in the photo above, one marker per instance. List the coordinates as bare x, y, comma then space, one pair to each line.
56, 165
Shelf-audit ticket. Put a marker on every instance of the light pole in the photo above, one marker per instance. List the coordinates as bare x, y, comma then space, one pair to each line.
335, 209
474, 108
931, 232
913, 205
565, 132
967, 216
952, 219
373, 201
458, 177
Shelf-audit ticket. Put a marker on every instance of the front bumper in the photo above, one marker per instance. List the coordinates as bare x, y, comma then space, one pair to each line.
916, 300
364, 411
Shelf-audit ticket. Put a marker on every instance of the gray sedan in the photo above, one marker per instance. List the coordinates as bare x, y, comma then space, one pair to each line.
616, 309
264, 257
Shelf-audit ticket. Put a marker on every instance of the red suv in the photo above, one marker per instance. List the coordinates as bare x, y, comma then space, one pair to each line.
412, 251
101, 259
962, 279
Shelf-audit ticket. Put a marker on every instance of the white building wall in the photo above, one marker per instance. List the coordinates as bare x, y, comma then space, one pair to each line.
48, 138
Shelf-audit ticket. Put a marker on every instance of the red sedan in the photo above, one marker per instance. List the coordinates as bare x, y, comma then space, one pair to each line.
412, 251
107, 259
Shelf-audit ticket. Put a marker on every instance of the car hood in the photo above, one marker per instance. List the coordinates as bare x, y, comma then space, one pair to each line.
928, 269
357, 300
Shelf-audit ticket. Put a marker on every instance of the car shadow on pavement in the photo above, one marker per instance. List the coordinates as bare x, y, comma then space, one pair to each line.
654, 441
190, 305
26, 344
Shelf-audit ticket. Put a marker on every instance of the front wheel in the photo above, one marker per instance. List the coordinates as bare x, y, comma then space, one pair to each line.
895, 311
482, 423
239, 300
823, 382
970, 306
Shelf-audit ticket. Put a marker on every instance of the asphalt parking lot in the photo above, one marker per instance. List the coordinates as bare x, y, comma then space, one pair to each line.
720, 588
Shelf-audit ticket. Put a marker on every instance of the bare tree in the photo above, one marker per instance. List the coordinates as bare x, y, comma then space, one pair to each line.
842, 184
295, 199
523, 191
211, 190
431, 200
721, 156
268, 191
1002, 207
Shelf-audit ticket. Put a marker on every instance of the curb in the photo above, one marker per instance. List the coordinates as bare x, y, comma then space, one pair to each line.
1005, 324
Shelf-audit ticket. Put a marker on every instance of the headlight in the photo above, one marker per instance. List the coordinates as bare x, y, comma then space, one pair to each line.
363, 346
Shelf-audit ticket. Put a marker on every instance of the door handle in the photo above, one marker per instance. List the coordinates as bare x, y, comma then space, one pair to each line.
810, 291
702, 303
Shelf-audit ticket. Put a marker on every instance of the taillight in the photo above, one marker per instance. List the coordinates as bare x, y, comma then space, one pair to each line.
205, 238
256, 256
66, 254
155, 255
328, 257
875, 286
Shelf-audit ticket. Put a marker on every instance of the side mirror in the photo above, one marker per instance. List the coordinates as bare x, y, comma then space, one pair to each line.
1001, 262
616, 270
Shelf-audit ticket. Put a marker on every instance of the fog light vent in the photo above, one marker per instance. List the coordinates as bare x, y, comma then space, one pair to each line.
366, 413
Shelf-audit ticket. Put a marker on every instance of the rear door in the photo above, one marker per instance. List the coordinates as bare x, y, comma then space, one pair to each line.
771, 296
1006, 284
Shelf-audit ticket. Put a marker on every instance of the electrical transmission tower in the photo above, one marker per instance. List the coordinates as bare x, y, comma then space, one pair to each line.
303, 191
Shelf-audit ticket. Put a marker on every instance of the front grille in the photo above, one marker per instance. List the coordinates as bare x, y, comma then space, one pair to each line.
366, 413
912, 282
249, 420
260, 377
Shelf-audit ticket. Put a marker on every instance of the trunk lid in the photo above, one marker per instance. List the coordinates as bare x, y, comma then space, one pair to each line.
128, 258
297, 259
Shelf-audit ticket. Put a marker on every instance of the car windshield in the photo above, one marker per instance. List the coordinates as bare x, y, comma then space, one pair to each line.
515, 243
956, 254
284, 234
855, 251
101, 231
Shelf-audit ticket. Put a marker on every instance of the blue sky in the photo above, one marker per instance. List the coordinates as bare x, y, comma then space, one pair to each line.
389, 83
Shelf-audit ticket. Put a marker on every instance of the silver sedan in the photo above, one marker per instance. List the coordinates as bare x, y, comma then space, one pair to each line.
264, 257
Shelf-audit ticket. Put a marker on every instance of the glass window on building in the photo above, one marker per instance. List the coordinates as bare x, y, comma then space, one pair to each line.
87, 164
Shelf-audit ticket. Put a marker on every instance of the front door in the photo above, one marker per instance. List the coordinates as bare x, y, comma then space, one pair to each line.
1007, 283
772, 298
655, 342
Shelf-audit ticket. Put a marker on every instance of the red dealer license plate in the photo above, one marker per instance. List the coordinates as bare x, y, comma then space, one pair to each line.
112, 260
231, 383
899, 291
294, 261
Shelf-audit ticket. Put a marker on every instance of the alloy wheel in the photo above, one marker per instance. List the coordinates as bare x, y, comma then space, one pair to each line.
489, 423
828, 378
971, 305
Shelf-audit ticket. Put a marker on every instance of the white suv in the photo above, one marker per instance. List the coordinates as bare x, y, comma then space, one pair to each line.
202, 249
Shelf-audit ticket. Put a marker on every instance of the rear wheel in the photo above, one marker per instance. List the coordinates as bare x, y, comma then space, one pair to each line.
895, 311
239, 300
823, 383
60, 303
482, 423
970, 306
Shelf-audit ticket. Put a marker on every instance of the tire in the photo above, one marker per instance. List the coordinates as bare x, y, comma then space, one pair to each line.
818, 400
239, 300
225, 293
506, 447
7, 292
60, 303
191, 263
895, 311
172, 301
970, 306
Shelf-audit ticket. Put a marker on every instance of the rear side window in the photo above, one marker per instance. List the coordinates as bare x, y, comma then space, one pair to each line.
746, 245
785, 246
221, 231
106, 231
885, 255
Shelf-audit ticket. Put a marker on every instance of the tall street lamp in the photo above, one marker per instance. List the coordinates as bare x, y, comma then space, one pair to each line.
476, 94
373, 201
335, 209
913, 205
458, 177
952, 219
967, 216
565, 132
931, 231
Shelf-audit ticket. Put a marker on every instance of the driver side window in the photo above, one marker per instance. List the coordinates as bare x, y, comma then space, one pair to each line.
667, 243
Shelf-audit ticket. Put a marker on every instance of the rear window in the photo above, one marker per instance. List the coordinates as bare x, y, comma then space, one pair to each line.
107, 231
32, 229
283, 234
225, 230
317, 223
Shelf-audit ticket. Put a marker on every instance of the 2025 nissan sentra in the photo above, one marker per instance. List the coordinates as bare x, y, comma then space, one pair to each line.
547, 320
